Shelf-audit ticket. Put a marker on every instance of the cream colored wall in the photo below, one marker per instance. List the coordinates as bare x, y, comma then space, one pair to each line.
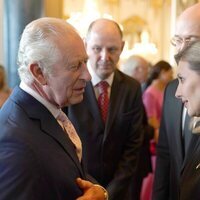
53, 8
157, 20
160, 23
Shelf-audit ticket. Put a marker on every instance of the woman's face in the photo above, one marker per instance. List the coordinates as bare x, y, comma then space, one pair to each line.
188, 89
166, 76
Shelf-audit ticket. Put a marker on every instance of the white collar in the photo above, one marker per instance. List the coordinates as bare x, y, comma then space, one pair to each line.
95, 79
52, 108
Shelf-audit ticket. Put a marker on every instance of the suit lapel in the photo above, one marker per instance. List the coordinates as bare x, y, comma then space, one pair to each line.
90, 98
175, 116
92, 104
116, 92
51, 127
49, 124
194, 144
179, 133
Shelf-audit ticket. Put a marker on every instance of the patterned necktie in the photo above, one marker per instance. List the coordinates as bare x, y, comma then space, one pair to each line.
70, 130
103, 99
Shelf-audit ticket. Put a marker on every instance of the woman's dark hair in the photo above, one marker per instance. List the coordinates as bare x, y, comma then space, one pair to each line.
156, 70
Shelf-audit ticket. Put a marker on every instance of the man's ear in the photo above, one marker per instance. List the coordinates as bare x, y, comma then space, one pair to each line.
123, 43
37, 73
85, 42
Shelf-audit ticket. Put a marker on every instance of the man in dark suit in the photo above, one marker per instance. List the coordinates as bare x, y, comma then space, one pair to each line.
111, 146
172, 161
137, 67
38, 158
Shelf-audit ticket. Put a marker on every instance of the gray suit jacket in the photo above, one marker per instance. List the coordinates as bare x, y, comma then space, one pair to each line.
111, 150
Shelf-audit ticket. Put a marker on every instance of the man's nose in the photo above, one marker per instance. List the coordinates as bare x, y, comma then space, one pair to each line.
104, 54
178, 92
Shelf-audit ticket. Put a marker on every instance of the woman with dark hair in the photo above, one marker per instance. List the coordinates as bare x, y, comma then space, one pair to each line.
4, 89
160, 74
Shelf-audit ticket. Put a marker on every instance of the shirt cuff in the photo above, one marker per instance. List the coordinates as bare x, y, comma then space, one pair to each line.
104, 190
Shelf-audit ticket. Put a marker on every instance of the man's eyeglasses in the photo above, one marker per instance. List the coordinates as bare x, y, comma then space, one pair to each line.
180, 43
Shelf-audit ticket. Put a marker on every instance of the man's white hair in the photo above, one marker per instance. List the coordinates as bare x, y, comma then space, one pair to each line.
38, 45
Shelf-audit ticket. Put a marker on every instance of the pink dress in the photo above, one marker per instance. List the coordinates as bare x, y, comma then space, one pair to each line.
153, 100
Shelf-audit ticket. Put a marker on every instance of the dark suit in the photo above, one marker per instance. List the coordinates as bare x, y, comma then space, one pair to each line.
37, 159
176, 176
111, 151
144, 164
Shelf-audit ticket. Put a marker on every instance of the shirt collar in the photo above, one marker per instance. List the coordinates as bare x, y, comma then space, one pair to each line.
95, 79
53, 109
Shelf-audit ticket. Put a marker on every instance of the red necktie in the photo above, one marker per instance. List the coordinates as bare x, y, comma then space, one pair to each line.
103, 100
70, 130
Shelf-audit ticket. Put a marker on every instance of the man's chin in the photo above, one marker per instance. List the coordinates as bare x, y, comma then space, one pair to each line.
104, 74
76, 100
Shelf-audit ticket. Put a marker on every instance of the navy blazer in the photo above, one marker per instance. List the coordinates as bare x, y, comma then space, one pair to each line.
176, 177
37, 159
111, 150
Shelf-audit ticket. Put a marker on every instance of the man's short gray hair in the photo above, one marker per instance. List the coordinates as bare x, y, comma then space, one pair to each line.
132, 63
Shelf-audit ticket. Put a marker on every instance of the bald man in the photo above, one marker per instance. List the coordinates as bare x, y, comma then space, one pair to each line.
174, 177
112, 143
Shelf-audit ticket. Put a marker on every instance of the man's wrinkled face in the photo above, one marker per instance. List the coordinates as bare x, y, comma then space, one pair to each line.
66, 84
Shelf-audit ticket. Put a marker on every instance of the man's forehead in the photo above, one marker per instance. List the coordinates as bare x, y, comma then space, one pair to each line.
188, 23
187, 28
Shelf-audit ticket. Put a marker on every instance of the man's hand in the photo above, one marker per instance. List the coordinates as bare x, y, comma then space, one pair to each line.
91, 191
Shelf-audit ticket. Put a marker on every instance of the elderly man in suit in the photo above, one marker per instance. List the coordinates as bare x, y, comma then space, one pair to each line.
39, 158
111, 135
173, 158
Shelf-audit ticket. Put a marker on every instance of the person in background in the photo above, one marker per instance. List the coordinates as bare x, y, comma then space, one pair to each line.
171, 159
40, 151
111, 130
159, 76
137, 67
4, 89
188, 91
